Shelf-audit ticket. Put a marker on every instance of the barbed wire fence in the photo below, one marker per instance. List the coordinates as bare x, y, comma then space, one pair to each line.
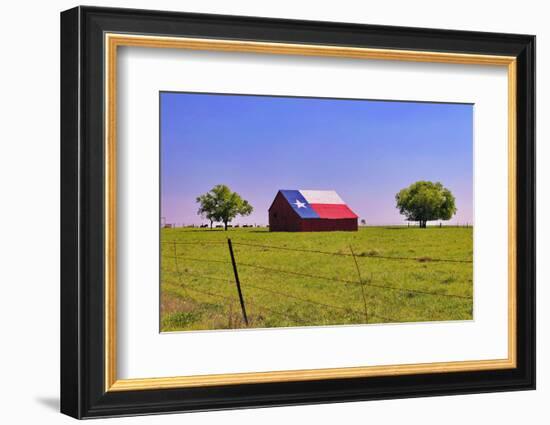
245, 299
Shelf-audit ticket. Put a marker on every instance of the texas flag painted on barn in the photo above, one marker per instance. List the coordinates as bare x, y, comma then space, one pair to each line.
318, 204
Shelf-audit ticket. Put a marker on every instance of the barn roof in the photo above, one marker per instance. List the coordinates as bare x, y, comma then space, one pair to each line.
310, 204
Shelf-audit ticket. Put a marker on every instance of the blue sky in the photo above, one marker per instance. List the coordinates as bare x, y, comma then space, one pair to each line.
365, 150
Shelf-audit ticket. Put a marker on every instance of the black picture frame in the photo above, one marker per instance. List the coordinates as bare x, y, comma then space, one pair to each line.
82, 212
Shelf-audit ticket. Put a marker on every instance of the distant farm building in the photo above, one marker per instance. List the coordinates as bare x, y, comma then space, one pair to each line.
310, 211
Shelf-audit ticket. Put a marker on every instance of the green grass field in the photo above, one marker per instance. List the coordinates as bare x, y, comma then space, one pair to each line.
401, 279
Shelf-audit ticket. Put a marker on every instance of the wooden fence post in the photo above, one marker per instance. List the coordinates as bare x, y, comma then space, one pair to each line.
362, 285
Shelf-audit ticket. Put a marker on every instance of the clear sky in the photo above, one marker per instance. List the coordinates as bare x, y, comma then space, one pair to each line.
365, 150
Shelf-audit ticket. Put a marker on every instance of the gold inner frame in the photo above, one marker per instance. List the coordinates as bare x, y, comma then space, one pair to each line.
113, 41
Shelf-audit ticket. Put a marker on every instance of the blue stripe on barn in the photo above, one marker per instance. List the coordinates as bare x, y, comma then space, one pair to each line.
299, 204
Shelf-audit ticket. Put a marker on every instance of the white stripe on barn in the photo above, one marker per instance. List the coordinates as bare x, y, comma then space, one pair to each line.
322, 197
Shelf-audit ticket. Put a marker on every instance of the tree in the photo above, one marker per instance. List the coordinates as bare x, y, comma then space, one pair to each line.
221, 204
207, 207
363, 222
424, 201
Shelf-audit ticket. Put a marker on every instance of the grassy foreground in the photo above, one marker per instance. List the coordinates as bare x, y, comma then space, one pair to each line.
396, 276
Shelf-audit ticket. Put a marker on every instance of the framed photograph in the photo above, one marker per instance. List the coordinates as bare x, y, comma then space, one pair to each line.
261, 212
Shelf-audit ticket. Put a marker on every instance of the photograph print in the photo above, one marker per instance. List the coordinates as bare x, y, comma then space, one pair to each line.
280, 211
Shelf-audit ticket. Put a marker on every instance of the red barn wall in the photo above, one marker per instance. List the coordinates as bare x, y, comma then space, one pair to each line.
329, 224
282, 217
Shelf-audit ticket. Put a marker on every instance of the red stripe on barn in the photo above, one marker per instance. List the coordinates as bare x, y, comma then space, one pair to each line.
333, 211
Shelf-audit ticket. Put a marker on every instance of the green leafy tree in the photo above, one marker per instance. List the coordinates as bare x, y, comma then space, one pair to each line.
424, 201
207, 207
222, 204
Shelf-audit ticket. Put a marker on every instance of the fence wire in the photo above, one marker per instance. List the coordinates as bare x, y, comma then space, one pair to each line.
369, 283
346, 254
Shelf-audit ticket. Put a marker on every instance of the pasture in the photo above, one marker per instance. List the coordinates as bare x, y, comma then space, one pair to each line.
374, 275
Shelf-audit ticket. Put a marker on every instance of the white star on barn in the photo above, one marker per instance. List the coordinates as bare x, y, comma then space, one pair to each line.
299, 204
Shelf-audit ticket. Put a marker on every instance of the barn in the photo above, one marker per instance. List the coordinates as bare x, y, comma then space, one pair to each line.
310, 211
